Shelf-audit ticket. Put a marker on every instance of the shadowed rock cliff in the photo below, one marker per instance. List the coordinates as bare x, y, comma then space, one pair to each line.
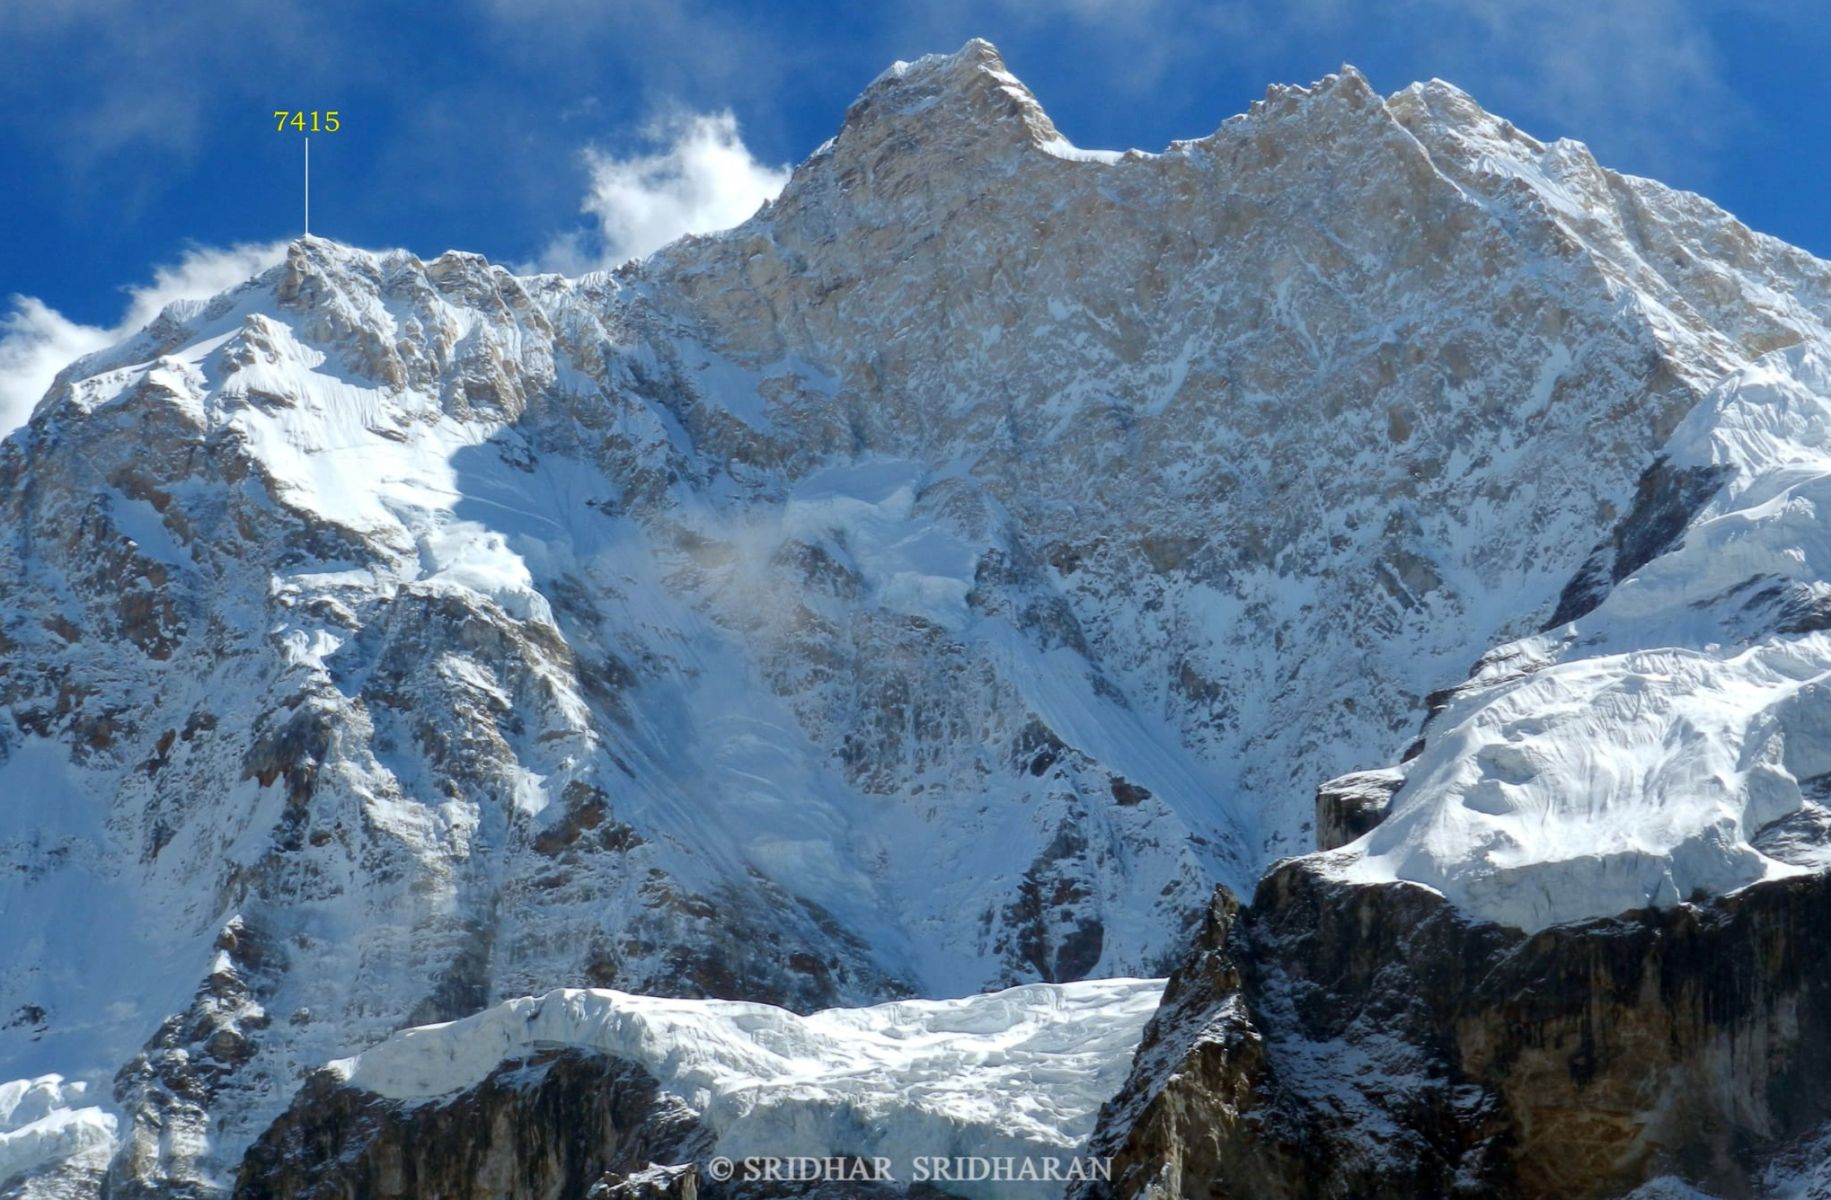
549, 1126
1337, 1040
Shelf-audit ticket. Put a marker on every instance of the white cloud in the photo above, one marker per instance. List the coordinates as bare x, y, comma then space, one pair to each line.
37, 341
705, 179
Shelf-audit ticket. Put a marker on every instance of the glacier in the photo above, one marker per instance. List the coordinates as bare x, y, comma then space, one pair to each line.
1675, 741
1018, 1073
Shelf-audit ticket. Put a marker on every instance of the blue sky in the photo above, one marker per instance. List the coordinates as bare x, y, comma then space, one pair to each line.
137, 138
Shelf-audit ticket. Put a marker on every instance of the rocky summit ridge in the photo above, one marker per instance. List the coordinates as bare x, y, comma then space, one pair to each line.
939, 582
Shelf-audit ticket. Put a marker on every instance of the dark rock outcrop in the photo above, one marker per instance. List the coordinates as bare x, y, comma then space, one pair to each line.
1339, 1040
1665, 500
1350, 805
651, 1183
559, 1124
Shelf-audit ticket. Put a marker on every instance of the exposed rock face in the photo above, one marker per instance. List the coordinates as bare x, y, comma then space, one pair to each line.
553, 1126
650, 1183
1665, 501
938, 582
1336, 1040
1348, 806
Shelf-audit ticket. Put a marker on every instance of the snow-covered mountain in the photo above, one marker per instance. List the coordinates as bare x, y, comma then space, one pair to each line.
1676, 738
939, 582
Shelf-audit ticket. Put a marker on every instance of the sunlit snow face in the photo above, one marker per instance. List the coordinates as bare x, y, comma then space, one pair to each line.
1018, 1073
1673, 741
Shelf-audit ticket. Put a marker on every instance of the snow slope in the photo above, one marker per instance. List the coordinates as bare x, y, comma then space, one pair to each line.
45, 1122
1677, 738
1018, 1073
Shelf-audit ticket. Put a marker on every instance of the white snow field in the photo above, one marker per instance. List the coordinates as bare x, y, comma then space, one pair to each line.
45, 1121
1019, 1073
1674, 741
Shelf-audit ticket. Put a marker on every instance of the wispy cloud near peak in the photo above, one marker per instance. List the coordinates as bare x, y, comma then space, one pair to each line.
37, 341
703, 179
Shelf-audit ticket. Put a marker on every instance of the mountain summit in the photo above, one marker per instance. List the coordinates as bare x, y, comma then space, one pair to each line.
939, 582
